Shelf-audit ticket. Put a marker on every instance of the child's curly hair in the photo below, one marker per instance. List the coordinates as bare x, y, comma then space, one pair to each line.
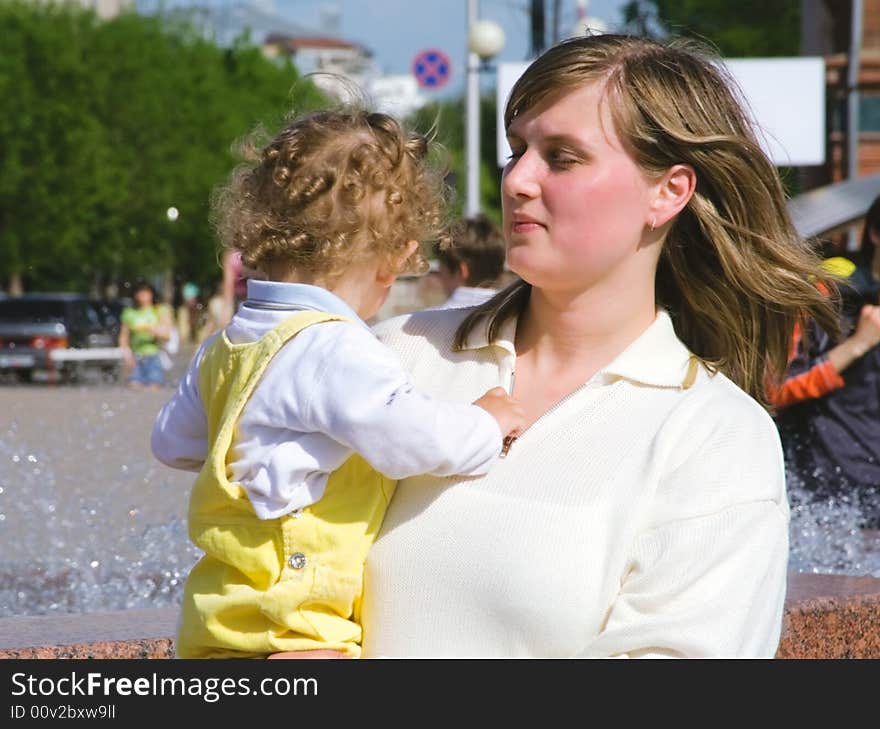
334, 187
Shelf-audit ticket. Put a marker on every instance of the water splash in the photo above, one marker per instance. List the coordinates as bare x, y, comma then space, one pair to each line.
84, 514
89, 522
827, 534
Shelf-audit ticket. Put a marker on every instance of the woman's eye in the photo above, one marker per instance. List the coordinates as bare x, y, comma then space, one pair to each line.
561, 159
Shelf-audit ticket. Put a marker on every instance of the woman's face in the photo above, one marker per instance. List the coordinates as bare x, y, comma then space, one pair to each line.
143, 298
575, 203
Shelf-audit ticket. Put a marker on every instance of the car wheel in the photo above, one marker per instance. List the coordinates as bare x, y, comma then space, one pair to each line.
111, 374
24, 375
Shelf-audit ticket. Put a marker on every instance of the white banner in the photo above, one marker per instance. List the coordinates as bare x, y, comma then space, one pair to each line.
786, 97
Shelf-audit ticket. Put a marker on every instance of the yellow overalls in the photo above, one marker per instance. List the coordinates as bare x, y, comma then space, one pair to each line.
265, 585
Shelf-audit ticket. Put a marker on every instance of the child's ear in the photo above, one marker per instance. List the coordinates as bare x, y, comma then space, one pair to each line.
388, 273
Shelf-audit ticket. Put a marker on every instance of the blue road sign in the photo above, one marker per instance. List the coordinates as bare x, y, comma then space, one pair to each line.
432, 68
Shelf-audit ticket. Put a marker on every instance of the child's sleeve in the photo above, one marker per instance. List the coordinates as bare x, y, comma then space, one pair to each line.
364, 399
180, 431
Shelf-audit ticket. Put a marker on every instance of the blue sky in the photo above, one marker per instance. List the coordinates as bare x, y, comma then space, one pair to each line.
396, 30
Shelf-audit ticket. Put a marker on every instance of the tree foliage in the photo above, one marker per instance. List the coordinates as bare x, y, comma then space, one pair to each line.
107, 124
446, 120
746, 28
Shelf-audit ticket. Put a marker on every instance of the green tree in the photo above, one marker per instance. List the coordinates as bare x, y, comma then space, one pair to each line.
743, 29
746, 28
447, 120
108, 124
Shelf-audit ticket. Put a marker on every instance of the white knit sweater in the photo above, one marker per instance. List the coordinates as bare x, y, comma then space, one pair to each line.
635, 518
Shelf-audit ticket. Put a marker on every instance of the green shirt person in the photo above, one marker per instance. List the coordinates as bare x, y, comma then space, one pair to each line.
145, 327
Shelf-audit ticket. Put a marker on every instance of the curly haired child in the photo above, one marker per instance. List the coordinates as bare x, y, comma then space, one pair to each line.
298, 421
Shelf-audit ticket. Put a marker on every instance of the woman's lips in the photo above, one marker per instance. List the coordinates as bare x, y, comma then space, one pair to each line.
526, 226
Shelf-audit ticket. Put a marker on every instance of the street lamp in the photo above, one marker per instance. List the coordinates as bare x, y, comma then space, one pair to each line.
485, 40
172, 213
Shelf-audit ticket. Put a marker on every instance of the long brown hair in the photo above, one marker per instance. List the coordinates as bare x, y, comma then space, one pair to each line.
734, 274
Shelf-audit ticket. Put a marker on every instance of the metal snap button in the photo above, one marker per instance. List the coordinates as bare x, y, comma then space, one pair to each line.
297, 561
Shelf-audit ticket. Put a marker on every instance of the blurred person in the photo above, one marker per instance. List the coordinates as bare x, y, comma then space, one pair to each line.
235, 278
471, 265
297, 419
643, 510
828, 406
188, 313
145, 328
218, 312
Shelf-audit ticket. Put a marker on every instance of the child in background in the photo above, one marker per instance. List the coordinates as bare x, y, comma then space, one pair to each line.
472, 265
297, 419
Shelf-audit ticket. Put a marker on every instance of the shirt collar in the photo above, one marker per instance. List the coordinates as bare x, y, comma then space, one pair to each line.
657, 357
298, 296
469, 296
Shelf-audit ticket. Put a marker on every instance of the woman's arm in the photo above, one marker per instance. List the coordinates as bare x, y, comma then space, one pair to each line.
712, 586
162, 331
125, 346
706, 575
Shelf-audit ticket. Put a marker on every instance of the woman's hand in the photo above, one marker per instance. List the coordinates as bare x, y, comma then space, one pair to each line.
320, 653
508, 412
128, 358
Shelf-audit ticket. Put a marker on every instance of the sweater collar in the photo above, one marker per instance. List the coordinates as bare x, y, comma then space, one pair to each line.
657, 357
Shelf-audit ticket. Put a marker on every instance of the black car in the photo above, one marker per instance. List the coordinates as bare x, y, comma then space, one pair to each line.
110, 313
57, 334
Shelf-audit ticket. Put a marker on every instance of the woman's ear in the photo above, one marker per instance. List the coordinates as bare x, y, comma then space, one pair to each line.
388, 272
673, 192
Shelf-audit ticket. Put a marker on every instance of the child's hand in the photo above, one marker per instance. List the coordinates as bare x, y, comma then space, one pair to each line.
506, 410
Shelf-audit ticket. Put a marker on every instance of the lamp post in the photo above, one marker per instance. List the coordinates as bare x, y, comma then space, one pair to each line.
172, 213
485, 39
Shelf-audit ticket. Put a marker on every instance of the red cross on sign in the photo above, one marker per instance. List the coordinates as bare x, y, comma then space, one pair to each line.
432, 68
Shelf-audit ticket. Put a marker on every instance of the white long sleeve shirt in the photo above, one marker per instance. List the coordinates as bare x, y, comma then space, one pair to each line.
331, 391
635, 518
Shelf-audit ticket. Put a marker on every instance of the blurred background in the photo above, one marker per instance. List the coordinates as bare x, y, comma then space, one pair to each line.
116, 112
119, 119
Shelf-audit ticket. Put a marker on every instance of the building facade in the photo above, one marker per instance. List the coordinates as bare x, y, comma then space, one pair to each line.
826, 30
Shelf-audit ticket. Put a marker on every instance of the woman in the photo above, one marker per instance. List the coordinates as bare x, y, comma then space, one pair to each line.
145, 329
643, 512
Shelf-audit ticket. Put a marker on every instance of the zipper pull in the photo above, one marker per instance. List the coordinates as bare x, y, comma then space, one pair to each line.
505, 446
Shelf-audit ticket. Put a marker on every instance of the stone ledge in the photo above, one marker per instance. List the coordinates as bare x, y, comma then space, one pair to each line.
826, 616
831, 616
141, 633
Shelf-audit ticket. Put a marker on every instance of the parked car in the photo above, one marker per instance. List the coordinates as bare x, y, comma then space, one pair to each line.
110, 313
58, 334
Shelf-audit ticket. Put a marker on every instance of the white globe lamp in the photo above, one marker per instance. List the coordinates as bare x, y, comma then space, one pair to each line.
486, 39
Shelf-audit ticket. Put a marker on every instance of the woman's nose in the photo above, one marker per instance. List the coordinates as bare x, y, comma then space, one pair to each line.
519, 178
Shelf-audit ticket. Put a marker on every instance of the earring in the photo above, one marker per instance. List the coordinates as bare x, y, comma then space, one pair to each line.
653, 221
